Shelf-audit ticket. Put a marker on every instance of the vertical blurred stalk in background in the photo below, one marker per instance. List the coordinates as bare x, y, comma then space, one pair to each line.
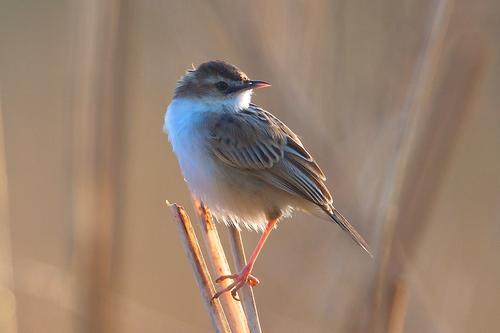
8, 320
416, 113
96, 147
436, 106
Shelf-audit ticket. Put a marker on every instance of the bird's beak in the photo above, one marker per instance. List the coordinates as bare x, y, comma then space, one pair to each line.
256, 84
247, 85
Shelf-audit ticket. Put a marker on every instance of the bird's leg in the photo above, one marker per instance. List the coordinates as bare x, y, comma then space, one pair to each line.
244, 275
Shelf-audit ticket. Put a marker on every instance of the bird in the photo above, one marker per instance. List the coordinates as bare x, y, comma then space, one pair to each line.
241, 161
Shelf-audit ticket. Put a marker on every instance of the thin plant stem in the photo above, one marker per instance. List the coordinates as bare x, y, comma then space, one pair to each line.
217, 258
200, 270
246, 292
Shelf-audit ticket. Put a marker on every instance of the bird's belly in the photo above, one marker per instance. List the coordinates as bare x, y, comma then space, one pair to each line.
232, 195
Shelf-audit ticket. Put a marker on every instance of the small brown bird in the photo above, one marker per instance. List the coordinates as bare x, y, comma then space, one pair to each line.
245, 164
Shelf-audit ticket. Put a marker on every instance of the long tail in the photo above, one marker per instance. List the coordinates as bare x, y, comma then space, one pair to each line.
346, 226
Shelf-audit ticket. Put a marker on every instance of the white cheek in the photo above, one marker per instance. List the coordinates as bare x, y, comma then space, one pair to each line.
238, 102
242, 101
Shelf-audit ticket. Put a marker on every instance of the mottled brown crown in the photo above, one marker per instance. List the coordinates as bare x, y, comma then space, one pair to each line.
201, 81
222, 69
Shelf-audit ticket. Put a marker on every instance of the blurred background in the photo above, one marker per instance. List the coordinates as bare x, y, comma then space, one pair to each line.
397, 100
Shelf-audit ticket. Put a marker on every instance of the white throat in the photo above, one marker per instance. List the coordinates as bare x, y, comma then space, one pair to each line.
242, 101
237, 103
182, 113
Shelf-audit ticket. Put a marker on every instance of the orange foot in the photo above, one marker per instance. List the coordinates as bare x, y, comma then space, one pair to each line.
239, 281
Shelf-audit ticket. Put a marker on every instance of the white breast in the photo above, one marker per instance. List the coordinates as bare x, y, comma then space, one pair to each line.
231, 197
183, 124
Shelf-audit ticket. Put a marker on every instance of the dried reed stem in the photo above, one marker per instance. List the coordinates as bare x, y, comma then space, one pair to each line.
246, 292
217, 258
200, 270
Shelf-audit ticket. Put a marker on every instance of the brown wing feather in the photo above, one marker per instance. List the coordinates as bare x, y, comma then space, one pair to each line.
256, 141
245, 141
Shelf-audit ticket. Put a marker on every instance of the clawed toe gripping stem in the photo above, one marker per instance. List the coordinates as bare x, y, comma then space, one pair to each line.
239, 281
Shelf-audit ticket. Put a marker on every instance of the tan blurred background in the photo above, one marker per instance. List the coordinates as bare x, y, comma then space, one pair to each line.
397, 100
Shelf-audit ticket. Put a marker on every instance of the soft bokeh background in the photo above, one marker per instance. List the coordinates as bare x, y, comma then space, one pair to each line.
397, 100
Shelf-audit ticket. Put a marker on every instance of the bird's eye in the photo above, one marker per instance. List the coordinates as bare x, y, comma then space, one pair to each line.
222, 86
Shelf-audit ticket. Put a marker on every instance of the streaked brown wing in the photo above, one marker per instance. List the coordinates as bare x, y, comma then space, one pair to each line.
245, 140
256, 141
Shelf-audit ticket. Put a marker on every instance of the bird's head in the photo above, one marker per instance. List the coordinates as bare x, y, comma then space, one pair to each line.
218, 82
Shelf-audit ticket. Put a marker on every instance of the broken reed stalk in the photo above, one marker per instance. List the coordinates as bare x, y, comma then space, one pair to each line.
217, 258
246, 292
200, 270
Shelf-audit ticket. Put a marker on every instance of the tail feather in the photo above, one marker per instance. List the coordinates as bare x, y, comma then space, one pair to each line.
346, 226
